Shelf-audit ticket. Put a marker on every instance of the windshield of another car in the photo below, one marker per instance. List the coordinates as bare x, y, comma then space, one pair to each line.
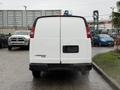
104, 36
21, 33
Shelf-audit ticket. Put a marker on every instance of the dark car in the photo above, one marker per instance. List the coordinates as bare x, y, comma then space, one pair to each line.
102, 40
3, 40
113, 35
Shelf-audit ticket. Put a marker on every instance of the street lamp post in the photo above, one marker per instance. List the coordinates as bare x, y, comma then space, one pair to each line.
26, 15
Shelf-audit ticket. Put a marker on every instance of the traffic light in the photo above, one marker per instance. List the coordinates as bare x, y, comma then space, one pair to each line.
96, 15
96, 19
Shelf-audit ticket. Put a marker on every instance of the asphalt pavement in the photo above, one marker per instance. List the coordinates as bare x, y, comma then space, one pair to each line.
15, 75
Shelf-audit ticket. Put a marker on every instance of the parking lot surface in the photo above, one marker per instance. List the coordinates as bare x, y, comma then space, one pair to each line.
15, 75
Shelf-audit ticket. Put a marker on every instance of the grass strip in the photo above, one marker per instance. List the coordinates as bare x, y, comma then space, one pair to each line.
110, 63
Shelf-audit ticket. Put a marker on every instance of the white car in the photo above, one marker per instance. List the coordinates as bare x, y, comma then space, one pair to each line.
60, 42
19, 39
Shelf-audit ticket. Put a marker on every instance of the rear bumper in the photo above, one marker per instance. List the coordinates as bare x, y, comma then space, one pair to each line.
47, 67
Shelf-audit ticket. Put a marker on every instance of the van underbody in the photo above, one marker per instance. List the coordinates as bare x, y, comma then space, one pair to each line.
48, 67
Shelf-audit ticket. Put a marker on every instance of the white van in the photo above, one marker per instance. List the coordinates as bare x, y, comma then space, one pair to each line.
60, 42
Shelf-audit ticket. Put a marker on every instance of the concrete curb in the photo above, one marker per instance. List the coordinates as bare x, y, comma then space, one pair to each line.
112, 82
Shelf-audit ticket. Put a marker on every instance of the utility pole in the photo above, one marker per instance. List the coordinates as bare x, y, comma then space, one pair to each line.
26, 15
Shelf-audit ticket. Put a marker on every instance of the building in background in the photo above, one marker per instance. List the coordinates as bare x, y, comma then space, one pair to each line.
118, 6
11, 20
105, 26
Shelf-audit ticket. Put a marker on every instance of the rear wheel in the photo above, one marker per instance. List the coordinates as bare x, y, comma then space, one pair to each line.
28, 47
9, 48
36, 74
1, 45
85, 72
99, 44
112, 45
93, 44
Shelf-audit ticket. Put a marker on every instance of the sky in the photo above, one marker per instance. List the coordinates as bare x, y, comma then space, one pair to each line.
77, 7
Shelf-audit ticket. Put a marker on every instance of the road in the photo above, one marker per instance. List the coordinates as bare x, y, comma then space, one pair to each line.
15, 75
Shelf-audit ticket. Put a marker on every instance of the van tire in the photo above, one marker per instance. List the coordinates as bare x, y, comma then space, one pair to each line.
36, 74
85, 72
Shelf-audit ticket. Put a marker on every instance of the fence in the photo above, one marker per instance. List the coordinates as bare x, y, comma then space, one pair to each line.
21, 19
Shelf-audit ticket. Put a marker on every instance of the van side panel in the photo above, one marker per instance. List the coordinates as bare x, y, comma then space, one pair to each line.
46, 43
74, 36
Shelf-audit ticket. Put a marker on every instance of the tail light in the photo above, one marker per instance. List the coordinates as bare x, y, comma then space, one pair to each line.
32, 32
88, 32
87, 29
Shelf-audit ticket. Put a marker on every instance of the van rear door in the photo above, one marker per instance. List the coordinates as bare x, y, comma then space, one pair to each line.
75, 46
46, 42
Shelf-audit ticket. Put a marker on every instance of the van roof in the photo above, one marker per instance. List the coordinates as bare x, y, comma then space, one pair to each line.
59, 16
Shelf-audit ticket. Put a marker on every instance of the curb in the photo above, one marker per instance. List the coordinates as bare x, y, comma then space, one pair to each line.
108, 79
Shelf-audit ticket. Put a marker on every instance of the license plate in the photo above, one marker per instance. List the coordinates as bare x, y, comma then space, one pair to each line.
71, 49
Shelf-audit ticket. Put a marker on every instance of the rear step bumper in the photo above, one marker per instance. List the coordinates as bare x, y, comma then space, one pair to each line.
47, 67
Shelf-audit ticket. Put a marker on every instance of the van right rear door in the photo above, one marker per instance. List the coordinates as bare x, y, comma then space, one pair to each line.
75, 46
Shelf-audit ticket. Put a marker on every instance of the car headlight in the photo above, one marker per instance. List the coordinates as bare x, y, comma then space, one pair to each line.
27, 40
9, 40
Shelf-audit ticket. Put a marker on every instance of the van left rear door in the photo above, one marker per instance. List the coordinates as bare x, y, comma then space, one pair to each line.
46, 43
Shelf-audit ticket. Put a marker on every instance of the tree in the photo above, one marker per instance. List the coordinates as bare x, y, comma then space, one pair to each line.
116, 19
116, 24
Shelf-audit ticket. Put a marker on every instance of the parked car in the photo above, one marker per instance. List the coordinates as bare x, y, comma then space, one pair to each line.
102, 40
3, 41
19, 39
60, 42
113, 35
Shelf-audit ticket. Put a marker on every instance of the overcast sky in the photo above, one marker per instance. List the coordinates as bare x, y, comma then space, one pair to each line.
78, 7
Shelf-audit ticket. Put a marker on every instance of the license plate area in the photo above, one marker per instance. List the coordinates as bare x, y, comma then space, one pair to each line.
70, 49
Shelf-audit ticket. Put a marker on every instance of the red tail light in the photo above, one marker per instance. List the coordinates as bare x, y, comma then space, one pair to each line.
32, 32
88, 31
